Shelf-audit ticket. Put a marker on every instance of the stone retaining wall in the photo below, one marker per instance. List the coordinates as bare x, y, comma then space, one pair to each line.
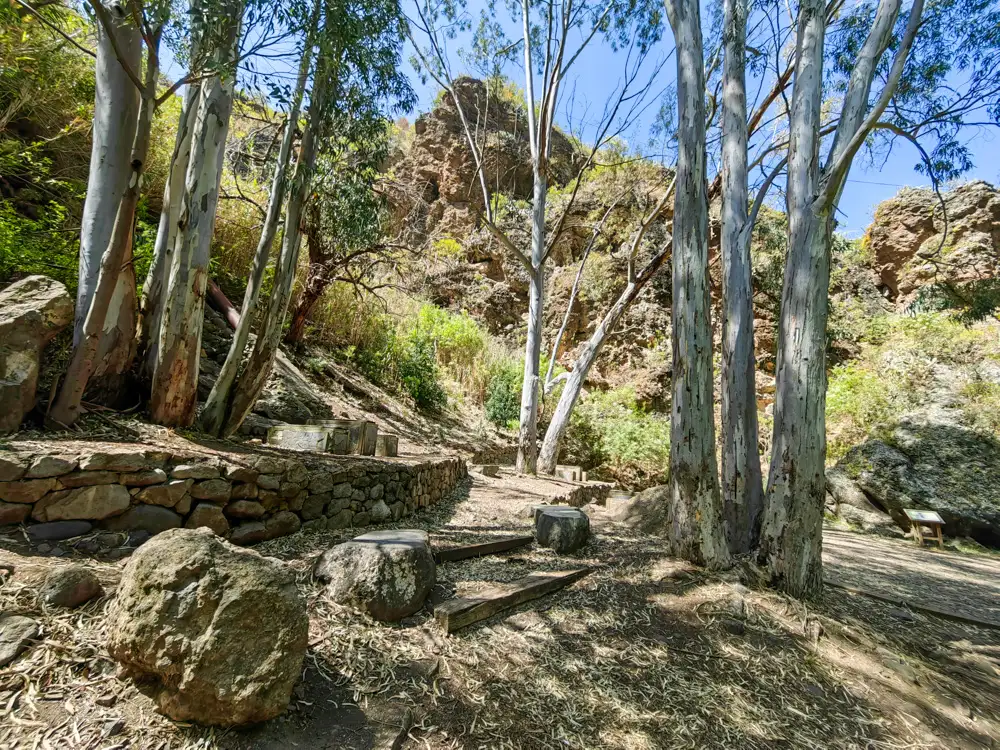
246, 497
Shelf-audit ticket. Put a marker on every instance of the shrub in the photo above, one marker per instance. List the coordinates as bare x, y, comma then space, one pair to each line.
418, 372
629, 444
43, 245
503, 395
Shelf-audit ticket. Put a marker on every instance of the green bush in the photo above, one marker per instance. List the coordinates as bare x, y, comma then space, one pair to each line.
418, 372
43, 245
628, 444
503, 395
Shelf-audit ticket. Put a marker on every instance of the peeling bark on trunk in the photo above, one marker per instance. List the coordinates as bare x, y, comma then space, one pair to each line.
151, 308
549, 456
742, 488
696, 530
215, 412
316, 284
258, 368
175, 376
67, 407
116, 112
792, 539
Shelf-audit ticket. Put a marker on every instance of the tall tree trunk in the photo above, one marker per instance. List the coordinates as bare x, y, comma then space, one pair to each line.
214, 413
696, 531
175, 376
742, 488
527, 441
549, 456
791, 542
151, 307
67, 407
116, 112
792, 538
258, 367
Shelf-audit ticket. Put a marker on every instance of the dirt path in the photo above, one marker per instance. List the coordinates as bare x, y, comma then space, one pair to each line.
940, 582
645, 653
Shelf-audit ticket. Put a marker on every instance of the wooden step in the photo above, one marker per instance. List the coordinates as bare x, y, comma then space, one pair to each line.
462, 611
452, 554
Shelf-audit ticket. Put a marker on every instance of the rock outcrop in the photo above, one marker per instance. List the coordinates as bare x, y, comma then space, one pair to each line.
221, 631
906, 234
32, 312
930, 465
387, 574
70, 587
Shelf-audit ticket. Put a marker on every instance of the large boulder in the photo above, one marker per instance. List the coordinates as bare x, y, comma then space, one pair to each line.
220, 631
32, 312
932, 465
387, 574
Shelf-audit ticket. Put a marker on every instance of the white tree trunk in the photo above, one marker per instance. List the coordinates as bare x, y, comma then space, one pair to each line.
67, 407
742, 488
175, 376
214, 414
254, 376
549, 456
527, 441
116, 111
791, 538
151, 309
696, 530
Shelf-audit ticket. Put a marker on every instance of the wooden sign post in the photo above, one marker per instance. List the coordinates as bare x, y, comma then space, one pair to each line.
928, 518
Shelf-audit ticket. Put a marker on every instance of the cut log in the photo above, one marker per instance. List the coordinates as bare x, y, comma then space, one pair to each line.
460, 612
478, 550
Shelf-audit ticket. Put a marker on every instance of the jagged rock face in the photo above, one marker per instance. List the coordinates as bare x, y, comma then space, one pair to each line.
438, 192
32, 312
219, 630
906, 234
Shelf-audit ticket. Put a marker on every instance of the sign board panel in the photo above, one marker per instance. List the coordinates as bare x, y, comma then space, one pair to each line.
923, 516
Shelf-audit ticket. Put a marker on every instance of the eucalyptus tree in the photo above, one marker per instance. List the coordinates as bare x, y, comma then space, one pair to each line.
116, 112
148, 22
879, 40
356, 76
553, 37
696, 529
214, 410
345, 223
637, 278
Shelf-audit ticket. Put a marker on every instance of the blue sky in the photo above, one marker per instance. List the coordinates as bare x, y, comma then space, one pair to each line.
871, 181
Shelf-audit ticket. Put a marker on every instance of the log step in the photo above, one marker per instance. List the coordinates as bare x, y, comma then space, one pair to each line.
478, 550
462, 611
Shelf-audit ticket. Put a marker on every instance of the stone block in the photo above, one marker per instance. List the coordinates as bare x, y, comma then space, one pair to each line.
166, 495
563, 530
299, 437
12, 513
269, 481
151, 519
341, 520
240, 473
312, 507
387, 445
88, 478
11, 469
143, 478
44, 467
26, 491
209, 516
85, 503
117, 461
56, 531
282, 523
250, 532
216, 490
244, 491
245, 509
203, 470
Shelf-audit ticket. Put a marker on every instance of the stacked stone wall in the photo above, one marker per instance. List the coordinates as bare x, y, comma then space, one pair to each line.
245, 497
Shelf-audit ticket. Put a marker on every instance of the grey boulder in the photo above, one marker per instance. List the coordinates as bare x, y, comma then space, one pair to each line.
562, 529
387, 574
16, 634
70, 587
220, 632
